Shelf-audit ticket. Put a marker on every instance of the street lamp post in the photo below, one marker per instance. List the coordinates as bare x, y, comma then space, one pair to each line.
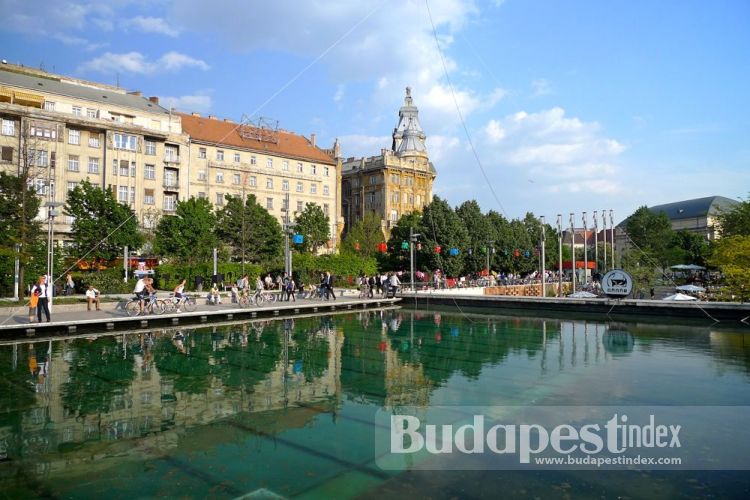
585, 250
412, 242
51, 214
596, 242
573, 251
542, 252
612, 234
604, 225
559, 255
288, 226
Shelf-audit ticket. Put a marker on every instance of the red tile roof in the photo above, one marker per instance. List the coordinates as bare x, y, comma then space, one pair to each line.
213, 131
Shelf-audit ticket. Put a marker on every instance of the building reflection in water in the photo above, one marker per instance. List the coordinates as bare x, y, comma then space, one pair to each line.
63, 401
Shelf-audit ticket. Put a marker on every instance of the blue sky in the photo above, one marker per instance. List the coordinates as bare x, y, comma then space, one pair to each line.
570, 106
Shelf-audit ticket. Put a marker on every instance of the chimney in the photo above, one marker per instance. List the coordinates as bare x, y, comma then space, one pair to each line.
197, 115
312, 139
154, 99
228, 120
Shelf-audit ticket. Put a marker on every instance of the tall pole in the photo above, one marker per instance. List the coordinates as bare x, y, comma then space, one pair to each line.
488, 260
604, 225
542, 245
125, 261
411, 258
612, 234
585, 250
216, 263
596, 242
559, 256
17, 273
573, 250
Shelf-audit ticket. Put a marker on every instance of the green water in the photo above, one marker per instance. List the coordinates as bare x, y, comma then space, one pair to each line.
288, 407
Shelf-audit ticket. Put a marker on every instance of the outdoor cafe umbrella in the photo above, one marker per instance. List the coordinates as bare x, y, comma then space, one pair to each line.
688, 267
679, 296
690, 288
583, 295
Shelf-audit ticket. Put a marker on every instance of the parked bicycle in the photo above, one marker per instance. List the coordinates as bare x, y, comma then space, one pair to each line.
152, 305
264, 296
185, 303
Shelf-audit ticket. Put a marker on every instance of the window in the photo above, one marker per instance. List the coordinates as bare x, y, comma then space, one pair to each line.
73, 163
285, 165
285, 185
395, 198
411, 199
124, 168
169, 203
355, 182
77, 111
202, 153
236, 157
253, 181
418, 200
49, 106
132, 195
132, 169
150, 148
201, 195
148, 197
253, 160
300, 187
149, 172
115, 165
300, 206
269, 162
93, 140
236, 179
300, 168
202, 175
122, 194
171, 153
220, 177
9, 127
219, 199
285, 206
313, 188
124, 141
72, 186
7, 154
371, 199
44, 131
74, 136
326, 190
92, 113
325, 208
373, 180
269, 203
313, 169
40, 185
220, 155
269, 183
170, 178
394, 215
326, 171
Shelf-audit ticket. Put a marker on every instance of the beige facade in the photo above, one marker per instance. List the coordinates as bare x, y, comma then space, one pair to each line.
396, 182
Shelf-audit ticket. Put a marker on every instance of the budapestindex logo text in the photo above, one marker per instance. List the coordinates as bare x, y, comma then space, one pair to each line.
615, 436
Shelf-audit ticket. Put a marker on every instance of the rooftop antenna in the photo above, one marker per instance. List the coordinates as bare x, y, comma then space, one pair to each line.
117, 76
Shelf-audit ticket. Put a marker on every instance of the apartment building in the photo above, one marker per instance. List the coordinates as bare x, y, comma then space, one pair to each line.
228, 158
73, 130
396, 182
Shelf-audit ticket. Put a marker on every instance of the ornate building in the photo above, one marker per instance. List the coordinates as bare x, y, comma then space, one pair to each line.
394, 183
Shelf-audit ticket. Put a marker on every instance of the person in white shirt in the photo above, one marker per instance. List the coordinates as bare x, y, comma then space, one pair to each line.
92, 296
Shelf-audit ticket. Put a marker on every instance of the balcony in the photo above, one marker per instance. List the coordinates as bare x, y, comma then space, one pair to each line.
171, 184
172, 159
169, 206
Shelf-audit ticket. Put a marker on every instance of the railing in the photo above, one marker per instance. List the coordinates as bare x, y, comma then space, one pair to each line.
171, 184
171, 159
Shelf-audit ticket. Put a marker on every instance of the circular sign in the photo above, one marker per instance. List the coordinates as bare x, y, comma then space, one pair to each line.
617, 283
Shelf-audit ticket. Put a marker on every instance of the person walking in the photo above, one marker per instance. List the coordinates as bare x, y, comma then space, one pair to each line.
42, 290
329, 285
284, 283
290, 289
33, 302
70, 286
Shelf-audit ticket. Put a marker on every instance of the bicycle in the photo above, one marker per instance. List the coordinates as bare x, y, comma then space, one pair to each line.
152, 305
244, 299
189, 304
264, 296
364, 291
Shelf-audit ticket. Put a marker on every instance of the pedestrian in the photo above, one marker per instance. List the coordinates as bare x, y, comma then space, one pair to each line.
42, 289
653, 294
33, 302
70, 286
284, 283
92, 296
290, 286
329, 285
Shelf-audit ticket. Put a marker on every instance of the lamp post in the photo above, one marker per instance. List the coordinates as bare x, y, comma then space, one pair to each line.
585, 250
17, 271
559, 255
412, 242
573, 250
596, 242
288, 226
542, 252
604, 225
51, 214
612, 234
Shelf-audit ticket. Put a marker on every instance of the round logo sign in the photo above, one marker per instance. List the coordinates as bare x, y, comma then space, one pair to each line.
617, 283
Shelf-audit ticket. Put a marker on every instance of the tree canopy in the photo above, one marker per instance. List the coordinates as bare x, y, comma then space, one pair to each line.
189, 234
253, 234
314, 225
366, 234
736, 222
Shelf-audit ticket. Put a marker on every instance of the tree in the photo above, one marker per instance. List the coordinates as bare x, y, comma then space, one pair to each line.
189, 234
653, 237
442, 227
478, 228
366, 234
314, 225
398, 258
690, 247
253, 234
19, 206
102, 226
736, 222
732, 255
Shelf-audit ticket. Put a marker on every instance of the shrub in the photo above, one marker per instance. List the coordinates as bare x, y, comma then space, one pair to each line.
168, 275
107, 281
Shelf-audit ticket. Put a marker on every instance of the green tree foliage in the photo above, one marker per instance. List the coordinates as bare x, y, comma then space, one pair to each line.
249, 230
367, 233
398, 258
442, 227
314, 225
102, 225
736, 222
188, 236
691, 248
344, 267
478, 228
19, 206
732, 255
653, 238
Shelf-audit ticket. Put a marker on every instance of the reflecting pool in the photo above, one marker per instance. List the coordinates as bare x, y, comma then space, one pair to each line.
287, 407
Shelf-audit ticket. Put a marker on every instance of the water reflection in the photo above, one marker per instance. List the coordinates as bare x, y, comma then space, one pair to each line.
65, 404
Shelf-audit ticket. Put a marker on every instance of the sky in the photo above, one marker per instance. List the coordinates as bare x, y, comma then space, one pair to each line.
528, 105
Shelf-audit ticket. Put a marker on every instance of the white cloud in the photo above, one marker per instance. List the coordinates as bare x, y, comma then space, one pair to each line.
339, 95
540, 87
363, 145
151, 25
199, 102
135, 62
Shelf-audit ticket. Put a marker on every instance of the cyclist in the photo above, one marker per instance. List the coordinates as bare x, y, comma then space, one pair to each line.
259, 287
141, 292
179, 293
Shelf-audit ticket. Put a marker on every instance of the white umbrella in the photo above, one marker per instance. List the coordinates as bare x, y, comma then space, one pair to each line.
688, 267
679, 296
583, 295
690, 288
